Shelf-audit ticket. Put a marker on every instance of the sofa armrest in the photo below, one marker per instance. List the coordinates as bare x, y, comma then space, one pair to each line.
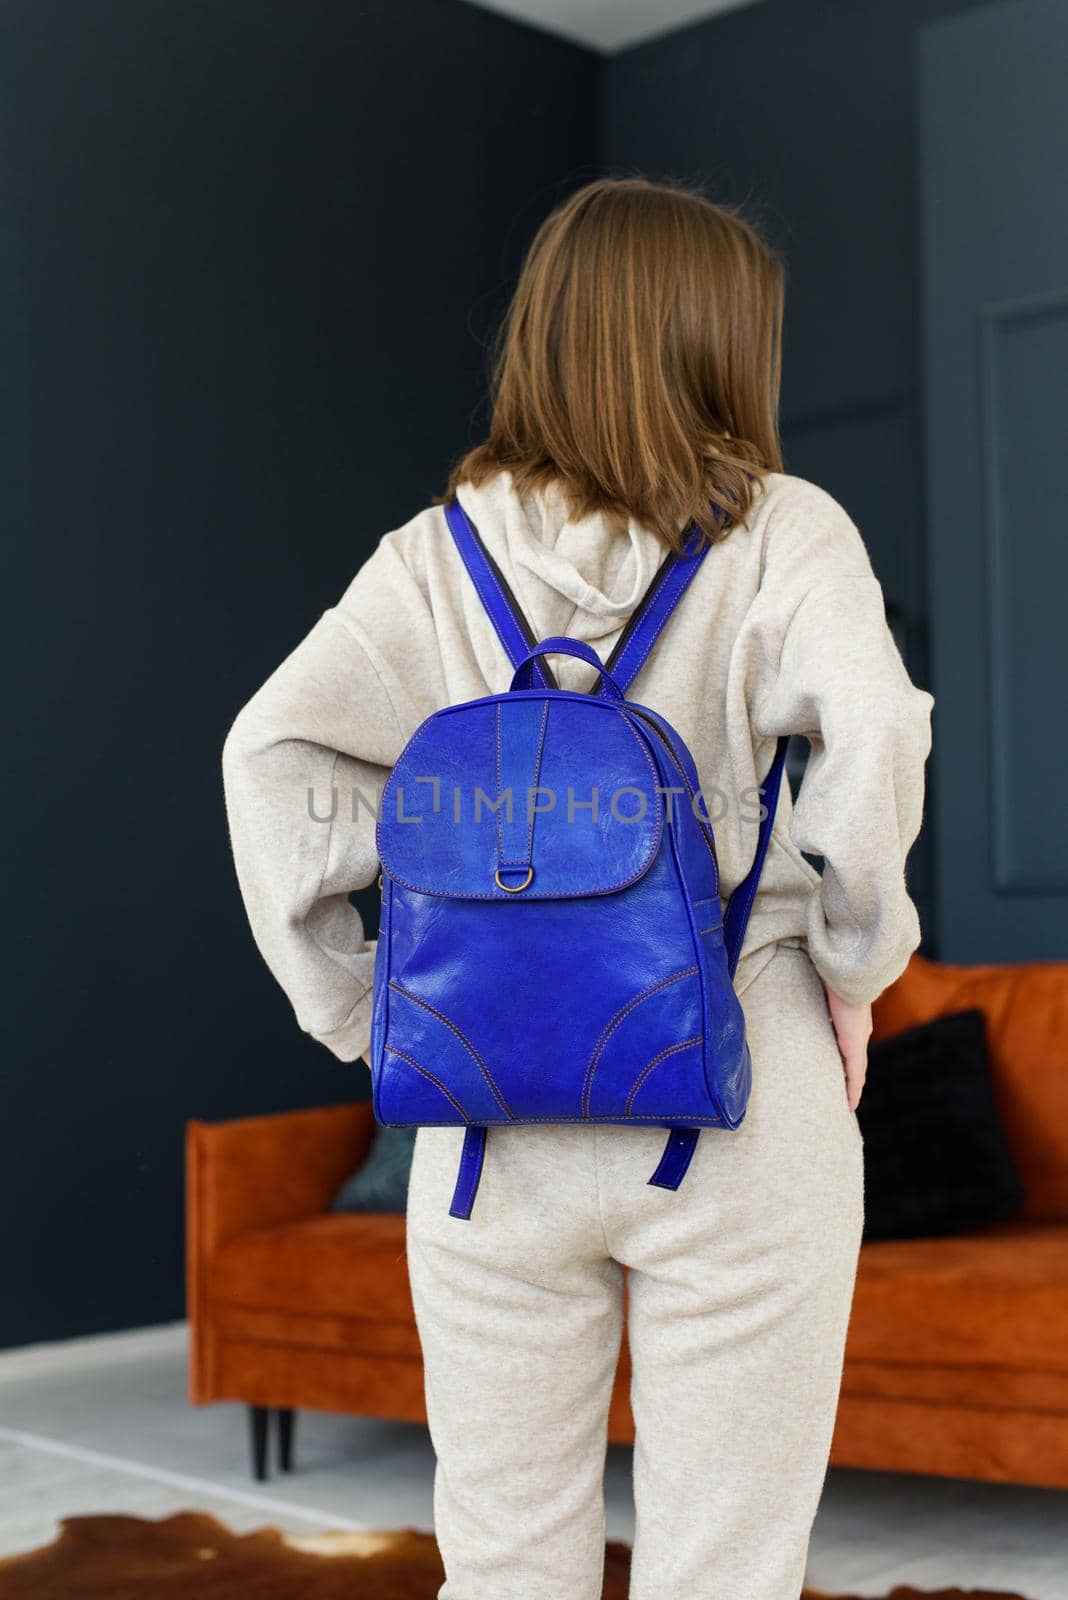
256, 1171
252, 1173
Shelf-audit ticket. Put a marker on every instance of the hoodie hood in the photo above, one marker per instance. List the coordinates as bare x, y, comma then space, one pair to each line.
583, 577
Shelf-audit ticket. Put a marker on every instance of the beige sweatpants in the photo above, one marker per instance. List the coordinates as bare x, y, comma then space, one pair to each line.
739, 1289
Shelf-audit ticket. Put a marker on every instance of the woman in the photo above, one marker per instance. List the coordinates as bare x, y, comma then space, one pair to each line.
636, 392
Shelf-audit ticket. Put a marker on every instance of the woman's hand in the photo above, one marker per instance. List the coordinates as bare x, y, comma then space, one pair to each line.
852, 1029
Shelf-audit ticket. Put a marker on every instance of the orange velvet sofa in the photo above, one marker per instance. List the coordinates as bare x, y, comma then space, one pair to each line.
957, 1356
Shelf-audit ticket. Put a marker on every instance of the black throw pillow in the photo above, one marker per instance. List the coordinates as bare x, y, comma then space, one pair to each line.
380, 1182
936, 1160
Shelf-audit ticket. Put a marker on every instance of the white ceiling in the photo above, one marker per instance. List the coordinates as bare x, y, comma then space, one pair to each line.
609, 24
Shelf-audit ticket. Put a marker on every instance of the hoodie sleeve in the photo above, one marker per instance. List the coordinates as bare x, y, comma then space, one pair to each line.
304, 765
834, 675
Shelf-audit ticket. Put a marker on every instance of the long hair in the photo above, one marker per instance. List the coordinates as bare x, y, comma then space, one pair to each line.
639, 363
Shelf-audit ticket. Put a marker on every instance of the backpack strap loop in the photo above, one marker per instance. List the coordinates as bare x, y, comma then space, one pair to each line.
678, 1153
469, 1174
557, 645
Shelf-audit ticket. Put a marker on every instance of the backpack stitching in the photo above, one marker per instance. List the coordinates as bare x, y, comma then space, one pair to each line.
464, 1040
412, 1062
671, 1050
537, 778
614, 1022
520, 861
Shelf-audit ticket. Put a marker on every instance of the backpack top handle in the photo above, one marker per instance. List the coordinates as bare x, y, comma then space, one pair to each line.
558, 645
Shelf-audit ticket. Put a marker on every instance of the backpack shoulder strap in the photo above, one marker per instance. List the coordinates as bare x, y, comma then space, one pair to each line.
644, 626
740, 904
649, 619
502, 607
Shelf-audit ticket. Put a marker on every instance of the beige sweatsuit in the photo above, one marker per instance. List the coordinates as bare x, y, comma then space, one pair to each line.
739, 1284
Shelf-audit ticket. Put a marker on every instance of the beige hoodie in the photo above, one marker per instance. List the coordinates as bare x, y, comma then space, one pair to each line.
782, 631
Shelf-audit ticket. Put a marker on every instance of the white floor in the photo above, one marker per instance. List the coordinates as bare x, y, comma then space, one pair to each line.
103, 1425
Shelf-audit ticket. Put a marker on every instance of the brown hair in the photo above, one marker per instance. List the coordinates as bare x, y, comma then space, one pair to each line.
639, 363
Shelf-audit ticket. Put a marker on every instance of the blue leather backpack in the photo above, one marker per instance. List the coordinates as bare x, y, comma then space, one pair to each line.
553, 947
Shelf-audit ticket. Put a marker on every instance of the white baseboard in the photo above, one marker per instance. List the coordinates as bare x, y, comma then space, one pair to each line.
91, 1350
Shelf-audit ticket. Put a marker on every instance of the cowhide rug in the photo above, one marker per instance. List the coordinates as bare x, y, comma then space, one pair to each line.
191, 1557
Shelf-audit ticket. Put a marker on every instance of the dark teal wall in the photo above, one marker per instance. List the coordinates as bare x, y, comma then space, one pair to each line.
247, 256
805, 111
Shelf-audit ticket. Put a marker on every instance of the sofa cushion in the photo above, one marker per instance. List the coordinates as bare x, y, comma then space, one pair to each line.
1026, 1011
341, 1264
999, 1296
936, 1159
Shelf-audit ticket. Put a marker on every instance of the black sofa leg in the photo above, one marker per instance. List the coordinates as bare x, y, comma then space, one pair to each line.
257, 1420
286, 1420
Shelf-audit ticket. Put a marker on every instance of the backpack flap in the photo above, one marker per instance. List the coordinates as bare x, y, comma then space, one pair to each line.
524, 796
